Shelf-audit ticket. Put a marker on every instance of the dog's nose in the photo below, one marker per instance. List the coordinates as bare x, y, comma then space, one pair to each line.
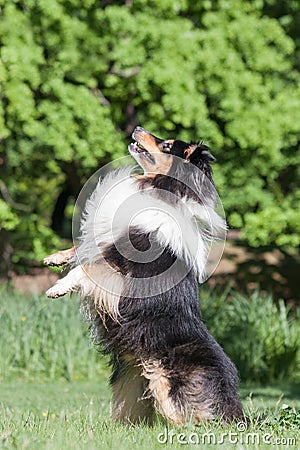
137, 131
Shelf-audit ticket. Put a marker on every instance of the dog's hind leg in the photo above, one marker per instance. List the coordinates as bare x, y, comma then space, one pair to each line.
159, 388
129, 403
192, 393
71, 282
59, 258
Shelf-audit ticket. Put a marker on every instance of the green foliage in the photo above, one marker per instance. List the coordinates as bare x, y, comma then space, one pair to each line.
77, 76
8, 219
288, 418
263, 339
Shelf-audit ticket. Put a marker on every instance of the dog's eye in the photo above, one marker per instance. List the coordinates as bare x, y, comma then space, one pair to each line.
167, 146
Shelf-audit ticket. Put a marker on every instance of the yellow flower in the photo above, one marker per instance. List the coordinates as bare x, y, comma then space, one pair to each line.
45, 414
23, 318
53, 416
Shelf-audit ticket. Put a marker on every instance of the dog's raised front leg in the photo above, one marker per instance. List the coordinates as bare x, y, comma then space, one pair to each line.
59, 258
71, 282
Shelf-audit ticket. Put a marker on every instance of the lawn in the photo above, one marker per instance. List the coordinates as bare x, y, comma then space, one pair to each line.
75, 415
54, 391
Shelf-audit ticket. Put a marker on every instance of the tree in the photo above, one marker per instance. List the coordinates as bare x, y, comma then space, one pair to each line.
77, 76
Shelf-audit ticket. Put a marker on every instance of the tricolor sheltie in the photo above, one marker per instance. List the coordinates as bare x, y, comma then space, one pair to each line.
142, 251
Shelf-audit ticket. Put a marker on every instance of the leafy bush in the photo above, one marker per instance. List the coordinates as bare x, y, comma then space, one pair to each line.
77, 76
262, 338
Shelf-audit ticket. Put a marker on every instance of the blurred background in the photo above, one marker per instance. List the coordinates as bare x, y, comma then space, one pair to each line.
76, 77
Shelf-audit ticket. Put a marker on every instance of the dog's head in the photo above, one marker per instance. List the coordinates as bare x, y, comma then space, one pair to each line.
157, 156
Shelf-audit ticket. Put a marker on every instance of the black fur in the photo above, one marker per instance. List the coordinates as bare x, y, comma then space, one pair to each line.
167, 327
197, 175
122, 255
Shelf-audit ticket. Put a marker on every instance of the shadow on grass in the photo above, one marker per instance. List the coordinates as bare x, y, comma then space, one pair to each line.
284, 392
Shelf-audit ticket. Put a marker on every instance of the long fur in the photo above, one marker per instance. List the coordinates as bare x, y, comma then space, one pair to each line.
142, 251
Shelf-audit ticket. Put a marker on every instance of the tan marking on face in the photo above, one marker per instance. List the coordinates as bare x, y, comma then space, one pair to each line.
189, 151
147, 140
162, 165
162, 161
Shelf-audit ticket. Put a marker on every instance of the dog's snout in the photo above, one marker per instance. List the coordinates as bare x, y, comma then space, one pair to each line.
138, 131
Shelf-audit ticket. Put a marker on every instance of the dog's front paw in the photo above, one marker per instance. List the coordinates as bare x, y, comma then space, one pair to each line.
57, 259
58, 290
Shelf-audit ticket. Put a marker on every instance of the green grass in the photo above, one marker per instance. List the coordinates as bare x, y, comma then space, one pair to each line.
75, 415
49, 339
54, 391
45, 338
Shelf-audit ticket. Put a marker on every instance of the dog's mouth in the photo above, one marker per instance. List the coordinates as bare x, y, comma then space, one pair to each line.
135, 148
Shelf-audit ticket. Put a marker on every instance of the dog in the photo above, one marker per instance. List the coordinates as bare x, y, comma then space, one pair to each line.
141, 255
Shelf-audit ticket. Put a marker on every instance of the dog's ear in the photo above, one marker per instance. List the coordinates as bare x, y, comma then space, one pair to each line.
189, 151
198, 152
